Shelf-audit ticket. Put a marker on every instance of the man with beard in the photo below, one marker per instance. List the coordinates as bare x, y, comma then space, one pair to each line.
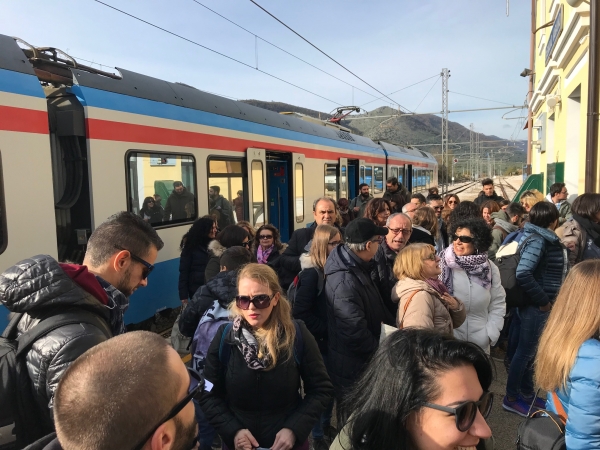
120, 256
382, 274
358, 204
220, 206
108, 399
177, 201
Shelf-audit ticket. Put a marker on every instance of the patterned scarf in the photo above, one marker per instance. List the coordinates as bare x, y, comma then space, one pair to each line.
247, 344
117, 304
263, 255
477, 268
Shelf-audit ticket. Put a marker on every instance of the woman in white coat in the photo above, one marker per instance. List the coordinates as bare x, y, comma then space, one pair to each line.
472, 278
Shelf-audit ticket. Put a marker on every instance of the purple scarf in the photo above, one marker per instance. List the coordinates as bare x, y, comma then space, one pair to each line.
477, 268
263, 255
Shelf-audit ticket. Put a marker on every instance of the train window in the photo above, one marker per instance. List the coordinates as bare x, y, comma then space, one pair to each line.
369, 176
414, 180
299, 191
162, 187
378, 185
258, 194
331, 181
362, 174
228, 176
394, 172
401, 174
343, 182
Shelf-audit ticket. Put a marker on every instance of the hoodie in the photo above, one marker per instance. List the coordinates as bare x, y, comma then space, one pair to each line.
502, 228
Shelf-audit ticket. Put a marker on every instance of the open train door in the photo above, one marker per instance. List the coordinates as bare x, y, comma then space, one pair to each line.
298, 189
343, 177
257, 186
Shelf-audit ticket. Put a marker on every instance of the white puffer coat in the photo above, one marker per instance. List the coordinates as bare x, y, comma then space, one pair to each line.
485, 308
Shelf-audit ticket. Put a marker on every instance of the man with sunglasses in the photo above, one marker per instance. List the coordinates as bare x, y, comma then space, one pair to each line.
382, 274
437, 204
355, 309
109, 400
120, 256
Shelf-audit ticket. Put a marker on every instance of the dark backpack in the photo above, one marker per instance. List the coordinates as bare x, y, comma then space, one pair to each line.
225, 347
293, 289
543, 430
507, 265
19, 407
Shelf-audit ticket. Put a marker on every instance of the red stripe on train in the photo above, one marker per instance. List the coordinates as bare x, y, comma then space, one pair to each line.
23, 120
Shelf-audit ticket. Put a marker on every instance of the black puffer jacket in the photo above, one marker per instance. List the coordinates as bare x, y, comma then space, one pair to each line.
175, 207
383, 276
222, 287
265, 401
543, 265
36, 286
482, 198
192, 265
355, 312
309, 305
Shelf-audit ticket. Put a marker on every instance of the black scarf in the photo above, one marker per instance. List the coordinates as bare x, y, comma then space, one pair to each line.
592, 229
247, 345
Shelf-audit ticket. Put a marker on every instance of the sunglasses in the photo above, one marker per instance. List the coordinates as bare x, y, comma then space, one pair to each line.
260, 301
264, 237
194, 392
438, 208
463, 239
466, 412
452, 202
245, 244
147, 266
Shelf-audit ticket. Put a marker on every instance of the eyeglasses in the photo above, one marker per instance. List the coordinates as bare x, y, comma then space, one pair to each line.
463, 239
334, 243
438, 208
264, 237
194, 392
432, 257
466, 412
260, 301
147, 266
246, 244
404, 231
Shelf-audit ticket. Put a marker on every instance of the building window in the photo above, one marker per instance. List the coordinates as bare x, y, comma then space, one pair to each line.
258, 194
299, 191
331, 181
162, 187
226, 203
378, 186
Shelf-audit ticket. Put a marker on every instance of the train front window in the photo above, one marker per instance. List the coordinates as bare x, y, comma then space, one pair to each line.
162, 187
331, 180
225, 191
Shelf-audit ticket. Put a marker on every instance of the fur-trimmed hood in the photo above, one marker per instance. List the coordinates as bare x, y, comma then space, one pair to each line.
216, 248
306, 261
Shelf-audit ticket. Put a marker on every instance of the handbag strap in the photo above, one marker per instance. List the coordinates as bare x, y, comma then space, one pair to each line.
400, 326
559, 408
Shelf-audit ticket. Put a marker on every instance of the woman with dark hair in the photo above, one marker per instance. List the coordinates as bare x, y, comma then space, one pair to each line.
378, 210
487, 209
421, 391
344, 211
397, 201
230, 236
464, 210
267, 246
151, 211
246, 226
451, 201
581, 233
470, 276
195, 256
540, 273
425, 226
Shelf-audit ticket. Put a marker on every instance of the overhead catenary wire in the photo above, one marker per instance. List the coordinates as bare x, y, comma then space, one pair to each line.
406, 87
436, 81
332, 59
479, 98
279, 48
216, 52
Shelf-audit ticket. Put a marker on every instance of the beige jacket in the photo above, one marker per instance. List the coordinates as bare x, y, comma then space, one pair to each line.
426, 309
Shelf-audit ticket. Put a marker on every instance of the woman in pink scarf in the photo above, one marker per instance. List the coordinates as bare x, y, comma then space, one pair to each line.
267, 246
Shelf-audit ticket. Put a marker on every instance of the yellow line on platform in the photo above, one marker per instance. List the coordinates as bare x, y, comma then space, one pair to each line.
187, 358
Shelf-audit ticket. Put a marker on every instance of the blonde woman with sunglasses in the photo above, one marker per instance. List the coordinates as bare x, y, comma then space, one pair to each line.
255, 400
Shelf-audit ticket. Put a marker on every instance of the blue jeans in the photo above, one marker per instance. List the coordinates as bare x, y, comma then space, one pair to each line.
317, 431
526, 329
206, 433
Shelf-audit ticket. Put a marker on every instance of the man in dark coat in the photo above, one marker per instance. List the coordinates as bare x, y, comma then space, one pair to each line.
324, 212
127, 397
487, 193
119, 256
220, 206
180, 198
359, 203
436, 203
355, 309
393, 187
382, 274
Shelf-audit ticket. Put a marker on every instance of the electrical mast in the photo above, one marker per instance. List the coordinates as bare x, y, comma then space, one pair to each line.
445, 75
471, 174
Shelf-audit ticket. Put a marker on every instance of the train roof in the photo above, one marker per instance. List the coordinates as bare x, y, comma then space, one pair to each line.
402, 152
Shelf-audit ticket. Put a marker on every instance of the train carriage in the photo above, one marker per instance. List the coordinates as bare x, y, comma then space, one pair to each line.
77, 145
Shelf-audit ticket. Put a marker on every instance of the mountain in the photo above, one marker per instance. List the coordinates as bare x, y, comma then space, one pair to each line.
420, 131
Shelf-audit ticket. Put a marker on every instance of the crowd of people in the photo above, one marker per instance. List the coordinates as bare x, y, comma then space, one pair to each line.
384, 310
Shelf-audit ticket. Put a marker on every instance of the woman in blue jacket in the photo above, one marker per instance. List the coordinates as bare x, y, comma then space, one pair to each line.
540, 273
568, 359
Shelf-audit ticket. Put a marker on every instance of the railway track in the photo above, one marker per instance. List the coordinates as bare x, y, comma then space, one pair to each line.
504, 194
462, 188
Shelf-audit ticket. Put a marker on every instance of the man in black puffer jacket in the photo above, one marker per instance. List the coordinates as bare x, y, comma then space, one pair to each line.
355, 309
39, 287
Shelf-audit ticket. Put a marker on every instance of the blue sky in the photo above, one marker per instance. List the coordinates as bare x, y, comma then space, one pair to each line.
390, 44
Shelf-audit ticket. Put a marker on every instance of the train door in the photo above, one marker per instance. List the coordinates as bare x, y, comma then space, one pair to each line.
343, 177
352, 178
257, 186
298, 190
278, 204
